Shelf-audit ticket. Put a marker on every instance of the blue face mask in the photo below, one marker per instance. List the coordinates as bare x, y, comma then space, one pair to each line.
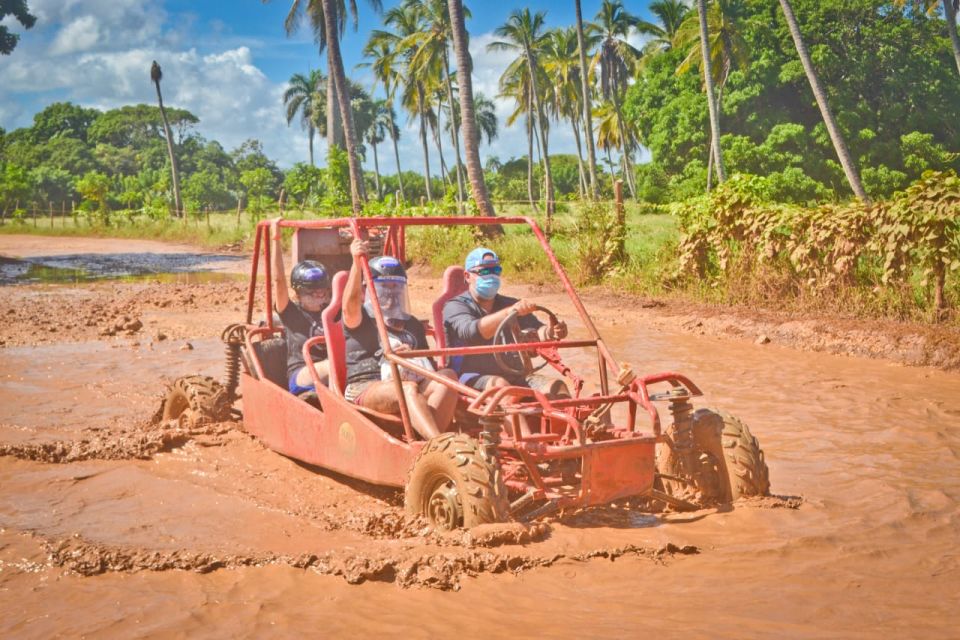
487, 286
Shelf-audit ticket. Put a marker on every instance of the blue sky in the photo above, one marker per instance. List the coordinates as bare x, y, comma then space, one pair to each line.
227, 62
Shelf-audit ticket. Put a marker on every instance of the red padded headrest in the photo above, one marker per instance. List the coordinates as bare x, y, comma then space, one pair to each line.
453, 285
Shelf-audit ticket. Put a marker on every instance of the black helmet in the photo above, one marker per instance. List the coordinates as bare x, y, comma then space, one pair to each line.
387, 267
309, 274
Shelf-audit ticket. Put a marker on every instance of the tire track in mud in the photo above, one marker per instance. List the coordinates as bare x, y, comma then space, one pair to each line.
136, 444
442, 571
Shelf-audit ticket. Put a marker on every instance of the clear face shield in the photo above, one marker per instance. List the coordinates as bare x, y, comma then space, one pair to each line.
394, 301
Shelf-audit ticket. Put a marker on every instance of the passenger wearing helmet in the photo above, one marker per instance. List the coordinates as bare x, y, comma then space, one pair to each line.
301, 317
430, 403
471, 319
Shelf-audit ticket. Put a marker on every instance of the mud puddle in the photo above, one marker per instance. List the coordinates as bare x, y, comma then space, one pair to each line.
214, 532
130, 267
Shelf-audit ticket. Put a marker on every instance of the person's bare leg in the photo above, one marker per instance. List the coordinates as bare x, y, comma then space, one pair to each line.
322, 369
382, 396
441, 398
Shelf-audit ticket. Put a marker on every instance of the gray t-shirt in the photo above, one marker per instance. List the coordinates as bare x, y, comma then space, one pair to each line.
461, 322
364, 350
299, 325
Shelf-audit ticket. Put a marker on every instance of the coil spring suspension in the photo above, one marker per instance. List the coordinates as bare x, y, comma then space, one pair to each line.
682, 412
490, 436
233, 337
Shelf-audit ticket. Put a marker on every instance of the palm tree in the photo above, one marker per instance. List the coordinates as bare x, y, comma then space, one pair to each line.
523, 33
430, 59
727, 47
616, 59
383, 54
335, 62
404, 20
314, 11
849, 168
587, 99
376, 133
302, 96
670, 15
486, 115
156, 75
708, 83
612, 133
565, 101
514, 83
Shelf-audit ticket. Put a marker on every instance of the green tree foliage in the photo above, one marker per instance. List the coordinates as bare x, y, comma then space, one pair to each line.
890, 79
94, 188
304, 184
67, 142
19, 10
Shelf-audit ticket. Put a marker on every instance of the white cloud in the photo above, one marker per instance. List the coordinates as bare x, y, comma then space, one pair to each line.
98, 53
80, 35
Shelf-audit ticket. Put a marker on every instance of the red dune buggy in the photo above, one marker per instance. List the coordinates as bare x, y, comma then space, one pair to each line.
512, 453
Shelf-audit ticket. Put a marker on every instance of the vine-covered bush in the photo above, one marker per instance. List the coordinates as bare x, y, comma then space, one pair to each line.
913, 239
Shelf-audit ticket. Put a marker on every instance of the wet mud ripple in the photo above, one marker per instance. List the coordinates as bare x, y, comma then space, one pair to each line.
442, 571
138, 444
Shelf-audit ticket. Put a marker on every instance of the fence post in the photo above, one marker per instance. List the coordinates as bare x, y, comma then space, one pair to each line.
621, 229
63, 213
50, 204
239, 201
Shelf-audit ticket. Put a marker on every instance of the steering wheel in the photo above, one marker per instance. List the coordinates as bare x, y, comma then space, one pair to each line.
518, 362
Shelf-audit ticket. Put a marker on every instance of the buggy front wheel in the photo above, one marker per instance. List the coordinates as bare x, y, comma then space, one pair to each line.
453, 485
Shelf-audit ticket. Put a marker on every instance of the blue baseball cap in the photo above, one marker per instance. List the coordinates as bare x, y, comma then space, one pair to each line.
481, 257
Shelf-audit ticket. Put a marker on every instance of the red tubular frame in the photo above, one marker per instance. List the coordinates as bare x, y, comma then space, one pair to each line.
566, 438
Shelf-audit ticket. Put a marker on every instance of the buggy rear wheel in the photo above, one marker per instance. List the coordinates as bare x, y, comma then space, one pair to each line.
196, 400
453, 485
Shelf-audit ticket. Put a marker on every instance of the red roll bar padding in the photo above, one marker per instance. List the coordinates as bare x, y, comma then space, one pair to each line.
453, 285
333, 331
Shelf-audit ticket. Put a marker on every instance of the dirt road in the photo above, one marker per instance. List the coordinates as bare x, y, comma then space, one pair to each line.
115, 528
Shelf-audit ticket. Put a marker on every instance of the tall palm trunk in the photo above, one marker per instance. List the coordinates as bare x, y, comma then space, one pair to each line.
444, 174
625, 143
951, 17
711, 97
423, 142
335, 62
454, 128
547, 174
396, 155
311, 131
849, 168
581, 173
334, 124
156, 75
471, 140
587, 118
376, 171
533, 201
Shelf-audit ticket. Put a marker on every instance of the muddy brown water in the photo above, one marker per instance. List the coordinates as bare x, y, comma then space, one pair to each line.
109, 528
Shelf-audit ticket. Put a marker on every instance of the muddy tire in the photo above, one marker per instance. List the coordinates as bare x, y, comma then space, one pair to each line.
745, 465
453, 485
728, 462
196, 400
731, 461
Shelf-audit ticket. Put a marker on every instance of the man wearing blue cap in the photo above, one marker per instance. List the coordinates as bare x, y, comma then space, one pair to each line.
472, 318
301, 317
